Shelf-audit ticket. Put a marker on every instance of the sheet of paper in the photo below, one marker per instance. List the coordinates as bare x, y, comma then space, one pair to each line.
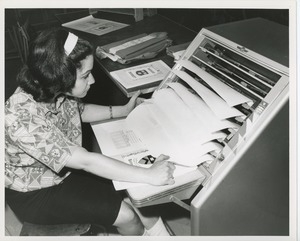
95, 26
173, 122
120, 142
231, 96
183, 119
148, 127
115, 138
140, 75
161, 135
179, 170
209, 121
221, 109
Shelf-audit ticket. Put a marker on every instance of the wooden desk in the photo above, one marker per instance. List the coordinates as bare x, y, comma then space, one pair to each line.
157, 23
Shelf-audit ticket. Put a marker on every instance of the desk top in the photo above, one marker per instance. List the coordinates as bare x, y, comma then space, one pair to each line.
177, 33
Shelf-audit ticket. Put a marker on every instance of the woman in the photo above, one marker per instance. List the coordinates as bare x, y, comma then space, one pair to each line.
50, 177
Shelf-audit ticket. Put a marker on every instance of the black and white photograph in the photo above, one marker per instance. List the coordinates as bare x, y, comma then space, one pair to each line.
125, 119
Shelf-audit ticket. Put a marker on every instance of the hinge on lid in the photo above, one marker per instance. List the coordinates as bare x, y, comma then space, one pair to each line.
180, 203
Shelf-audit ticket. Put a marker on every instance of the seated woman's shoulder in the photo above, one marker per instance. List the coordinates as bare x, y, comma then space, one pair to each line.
20, 99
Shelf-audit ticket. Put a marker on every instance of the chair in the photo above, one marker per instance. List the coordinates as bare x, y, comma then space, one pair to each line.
15, 227
30, 229
17, 31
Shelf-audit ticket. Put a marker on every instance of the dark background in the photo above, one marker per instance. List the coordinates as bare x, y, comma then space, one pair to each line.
194, 19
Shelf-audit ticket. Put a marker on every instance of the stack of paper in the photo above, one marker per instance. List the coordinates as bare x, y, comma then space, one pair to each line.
186, 121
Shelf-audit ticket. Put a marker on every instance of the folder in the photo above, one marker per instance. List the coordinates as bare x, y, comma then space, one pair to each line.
142, 46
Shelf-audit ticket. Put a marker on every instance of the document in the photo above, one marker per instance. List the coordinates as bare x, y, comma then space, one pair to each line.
120, 142
168, 130
141, 76
116, 139
95, 26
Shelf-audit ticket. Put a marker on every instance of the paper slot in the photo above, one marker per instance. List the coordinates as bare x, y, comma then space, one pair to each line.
228, 94
221, 109
209, 121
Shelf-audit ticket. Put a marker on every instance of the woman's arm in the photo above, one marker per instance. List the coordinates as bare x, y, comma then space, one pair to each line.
92, 112
160, 173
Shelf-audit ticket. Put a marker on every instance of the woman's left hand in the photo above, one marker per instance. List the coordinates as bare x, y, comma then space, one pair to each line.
132, 103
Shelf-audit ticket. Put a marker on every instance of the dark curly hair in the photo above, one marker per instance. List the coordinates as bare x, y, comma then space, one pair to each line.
49, 72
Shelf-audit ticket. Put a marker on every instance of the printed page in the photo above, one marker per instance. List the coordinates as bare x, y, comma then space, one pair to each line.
115, 138
120, 142
139, 160
95, 26
140, 75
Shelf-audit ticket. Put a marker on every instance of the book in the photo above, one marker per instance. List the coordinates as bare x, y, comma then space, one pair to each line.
145, 77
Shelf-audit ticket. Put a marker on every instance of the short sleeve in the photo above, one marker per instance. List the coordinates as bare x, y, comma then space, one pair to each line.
37, 137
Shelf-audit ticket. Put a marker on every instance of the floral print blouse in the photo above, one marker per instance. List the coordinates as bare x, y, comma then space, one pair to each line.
38, 137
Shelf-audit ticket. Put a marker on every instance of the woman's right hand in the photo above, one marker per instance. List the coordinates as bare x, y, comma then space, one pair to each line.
161, 172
